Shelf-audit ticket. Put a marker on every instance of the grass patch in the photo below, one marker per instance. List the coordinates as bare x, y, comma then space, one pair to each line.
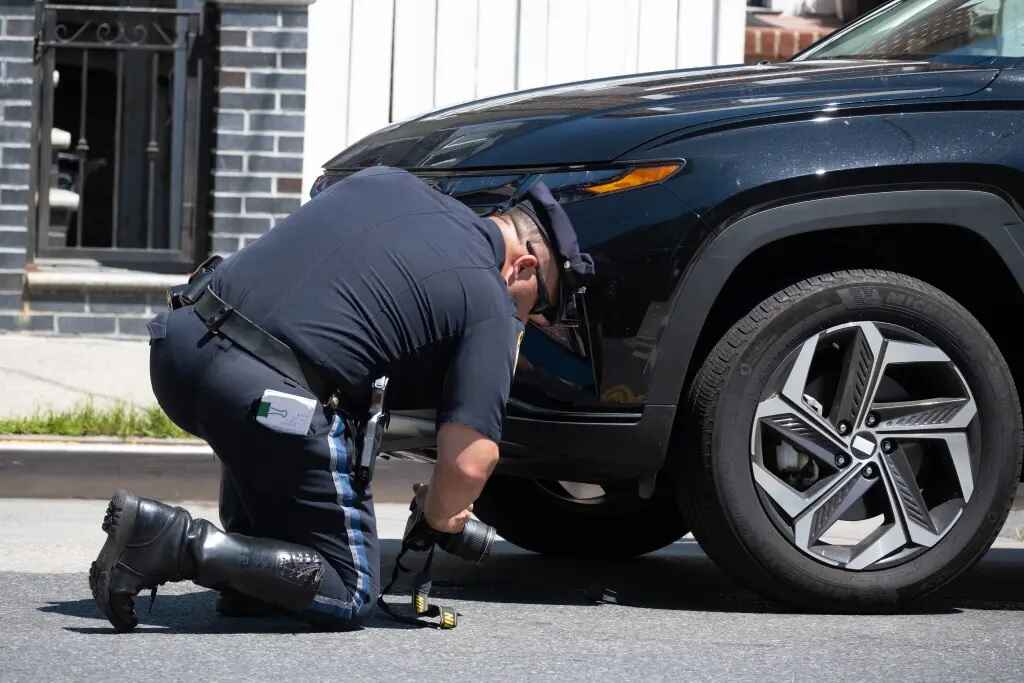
85, 419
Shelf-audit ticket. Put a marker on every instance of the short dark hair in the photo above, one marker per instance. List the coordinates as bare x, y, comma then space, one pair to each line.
527, 230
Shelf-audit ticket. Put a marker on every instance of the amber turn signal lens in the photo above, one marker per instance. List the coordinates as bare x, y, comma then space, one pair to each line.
634, 178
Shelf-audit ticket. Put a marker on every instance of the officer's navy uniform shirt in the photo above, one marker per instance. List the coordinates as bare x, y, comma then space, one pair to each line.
381, 274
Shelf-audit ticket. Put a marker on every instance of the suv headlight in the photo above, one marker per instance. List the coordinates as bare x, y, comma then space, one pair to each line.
483, 190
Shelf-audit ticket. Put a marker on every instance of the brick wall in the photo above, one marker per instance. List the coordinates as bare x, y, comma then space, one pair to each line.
259, 103
260, 121
16, 31
776, 45
92, 311
777, 37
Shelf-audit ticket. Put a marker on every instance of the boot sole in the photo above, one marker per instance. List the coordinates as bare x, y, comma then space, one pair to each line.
118, 524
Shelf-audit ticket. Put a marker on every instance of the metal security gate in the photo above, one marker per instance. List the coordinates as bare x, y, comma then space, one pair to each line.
117, 168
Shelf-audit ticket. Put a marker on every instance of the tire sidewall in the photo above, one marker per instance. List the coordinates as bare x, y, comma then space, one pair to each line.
946, 325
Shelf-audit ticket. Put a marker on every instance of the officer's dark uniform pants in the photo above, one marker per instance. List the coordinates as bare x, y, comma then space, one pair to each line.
292, 488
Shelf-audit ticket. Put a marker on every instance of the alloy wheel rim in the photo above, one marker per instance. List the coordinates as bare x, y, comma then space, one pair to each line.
862, 446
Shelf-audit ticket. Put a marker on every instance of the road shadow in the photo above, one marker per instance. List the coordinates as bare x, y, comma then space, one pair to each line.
994, 583
191, 612
680, 577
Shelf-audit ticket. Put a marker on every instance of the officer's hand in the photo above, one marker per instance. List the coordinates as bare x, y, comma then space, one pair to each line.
447, 525
539, 320
450, 525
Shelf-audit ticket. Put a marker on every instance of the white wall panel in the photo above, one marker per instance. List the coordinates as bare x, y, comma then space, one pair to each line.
659, 26
732, 23
695, 43
533, 43
372, 62
631, 36
327, 88
370, 67
567, 39
608, 39
456, 51
497, 37
413, 91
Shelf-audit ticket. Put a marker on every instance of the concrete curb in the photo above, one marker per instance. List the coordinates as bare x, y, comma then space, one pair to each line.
180, 469
143, 440
75, 448
49, 467
185, 469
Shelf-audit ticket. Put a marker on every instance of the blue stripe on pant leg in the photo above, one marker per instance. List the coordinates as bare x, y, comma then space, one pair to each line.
354, 529
348, 499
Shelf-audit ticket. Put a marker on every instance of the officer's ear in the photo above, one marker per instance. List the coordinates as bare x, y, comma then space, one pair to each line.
524, 267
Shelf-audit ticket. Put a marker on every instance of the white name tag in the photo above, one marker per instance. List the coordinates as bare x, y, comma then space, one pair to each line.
285, 413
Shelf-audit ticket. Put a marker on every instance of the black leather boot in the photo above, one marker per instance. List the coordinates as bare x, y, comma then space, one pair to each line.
150, 543
145, 547
276, 573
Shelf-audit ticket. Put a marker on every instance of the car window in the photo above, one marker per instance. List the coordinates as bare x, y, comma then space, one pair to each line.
960, 31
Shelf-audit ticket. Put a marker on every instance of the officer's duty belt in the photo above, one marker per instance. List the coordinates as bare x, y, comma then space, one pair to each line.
223, 319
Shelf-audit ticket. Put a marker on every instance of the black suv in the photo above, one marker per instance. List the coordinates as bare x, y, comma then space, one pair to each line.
801, 340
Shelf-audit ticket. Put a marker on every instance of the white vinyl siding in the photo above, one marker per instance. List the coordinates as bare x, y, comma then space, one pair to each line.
375, 62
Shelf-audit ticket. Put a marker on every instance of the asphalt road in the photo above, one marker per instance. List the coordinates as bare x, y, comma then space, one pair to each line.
674, 615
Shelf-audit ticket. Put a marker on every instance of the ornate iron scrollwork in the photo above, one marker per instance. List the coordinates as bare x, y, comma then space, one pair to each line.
121, 28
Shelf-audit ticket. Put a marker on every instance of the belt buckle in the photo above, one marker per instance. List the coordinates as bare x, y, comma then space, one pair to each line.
214, 322
333, 403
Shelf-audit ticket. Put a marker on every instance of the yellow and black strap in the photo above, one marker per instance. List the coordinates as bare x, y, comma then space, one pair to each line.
447, 617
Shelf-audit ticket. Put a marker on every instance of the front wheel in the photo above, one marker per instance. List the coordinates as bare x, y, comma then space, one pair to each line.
858, 439
576, 519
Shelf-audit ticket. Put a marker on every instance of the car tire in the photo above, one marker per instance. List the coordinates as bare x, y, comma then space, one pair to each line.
759, 532
546, 518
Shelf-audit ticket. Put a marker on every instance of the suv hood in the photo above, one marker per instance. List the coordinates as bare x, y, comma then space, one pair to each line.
598, 121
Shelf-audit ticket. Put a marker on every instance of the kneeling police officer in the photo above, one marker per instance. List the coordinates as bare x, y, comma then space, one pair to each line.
271, 357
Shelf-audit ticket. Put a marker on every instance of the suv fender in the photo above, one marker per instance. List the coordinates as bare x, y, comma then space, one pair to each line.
984, 213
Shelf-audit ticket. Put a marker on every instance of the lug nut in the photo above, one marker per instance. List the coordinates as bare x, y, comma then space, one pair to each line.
869, 472
872, 419
842, 460
888, 445
844, 427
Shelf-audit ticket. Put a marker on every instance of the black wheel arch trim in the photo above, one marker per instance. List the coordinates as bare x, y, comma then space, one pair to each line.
985, 213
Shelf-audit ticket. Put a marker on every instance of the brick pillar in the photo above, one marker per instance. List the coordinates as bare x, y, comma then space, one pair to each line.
260, 118
17, 26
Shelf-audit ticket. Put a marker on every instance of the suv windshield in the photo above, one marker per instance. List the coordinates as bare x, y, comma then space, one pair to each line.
960, 31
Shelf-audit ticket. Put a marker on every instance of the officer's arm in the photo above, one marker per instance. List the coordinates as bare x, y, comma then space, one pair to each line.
470, 417
465, 460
